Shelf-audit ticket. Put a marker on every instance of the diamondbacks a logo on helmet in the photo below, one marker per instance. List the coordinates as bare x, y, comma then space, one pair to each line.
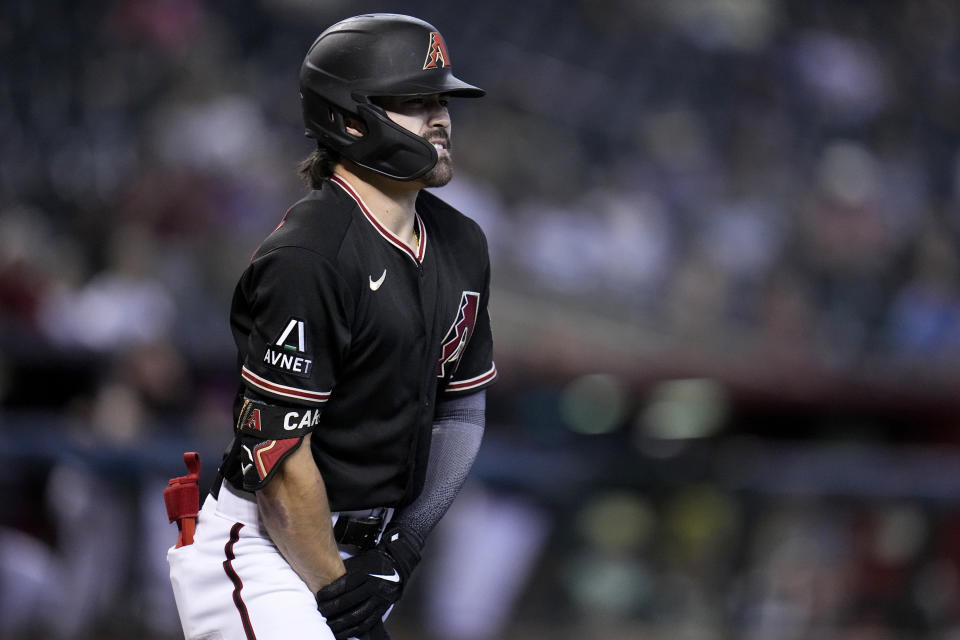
437, 56
459, 334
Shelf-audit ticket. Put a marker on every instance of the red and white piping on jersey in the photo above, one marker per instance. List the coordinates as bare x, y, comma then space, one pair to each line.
316, 397
474, 382
382, 230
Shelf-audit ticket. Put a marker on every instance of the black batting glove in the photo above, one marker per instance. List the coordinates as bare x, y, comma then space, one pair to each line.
378, 632
354, 603
403, 545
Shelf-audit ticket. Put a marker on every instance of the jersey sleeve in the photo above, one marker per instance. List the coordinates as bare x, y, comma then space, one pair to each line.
298, 332
476, 369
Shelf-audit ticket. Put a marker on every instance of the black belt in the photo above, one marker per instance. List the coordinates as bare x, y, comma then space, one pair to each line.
357, 534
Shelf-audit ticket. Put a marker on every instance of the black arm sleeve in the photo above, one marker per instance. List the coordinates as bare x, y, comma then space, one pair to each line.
457, 432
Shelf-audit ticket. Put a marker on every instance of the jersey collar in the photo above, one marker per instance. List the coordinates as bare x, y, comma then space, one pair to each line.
416, 256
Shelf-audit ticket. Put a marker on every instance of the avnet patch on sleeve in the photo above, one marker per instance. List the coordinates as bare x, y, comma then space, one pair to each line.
288, 352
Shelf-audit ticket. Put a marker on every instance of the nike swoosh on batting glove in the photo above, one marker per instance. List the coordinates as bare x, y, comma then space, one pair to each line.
358, 600
403, 545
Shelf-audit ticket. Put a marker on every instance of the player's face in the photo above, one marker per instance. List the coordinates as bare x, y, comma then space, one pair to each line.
428, 117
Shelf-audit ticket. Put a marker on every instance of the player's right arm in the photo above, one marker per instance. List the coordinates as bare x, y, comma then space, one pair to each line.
290, 317
296, 513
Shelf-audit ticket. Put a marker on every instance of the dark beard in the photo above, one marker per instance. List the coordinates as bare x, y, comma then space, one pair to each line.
440, 175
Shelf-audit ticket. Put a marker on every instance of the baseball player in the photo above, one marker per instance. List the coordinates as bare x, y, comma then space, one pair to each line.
364, 351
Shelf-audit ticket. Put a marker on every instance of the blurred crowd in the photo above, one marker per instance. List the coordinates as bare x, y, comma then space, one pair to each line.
755, 180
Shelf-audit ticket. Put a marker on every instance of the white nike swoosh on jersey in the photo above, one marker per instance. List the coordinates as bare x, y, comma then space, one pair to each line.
390, 578
375, 284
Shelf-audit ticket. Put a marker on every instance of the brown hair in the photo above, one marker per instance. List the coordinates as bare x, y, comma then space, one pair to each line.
317, 167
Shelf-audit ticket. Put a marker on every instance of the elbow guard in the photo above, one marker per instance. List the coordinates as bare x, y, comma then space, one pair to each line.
267, 434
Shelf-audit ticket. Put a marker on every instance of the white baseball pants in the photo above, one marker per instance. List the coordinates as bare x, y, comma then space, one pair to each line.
232, 583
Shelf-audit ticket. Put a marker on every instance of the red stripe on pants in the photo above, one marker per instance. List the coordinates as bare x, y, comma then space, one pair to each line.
237, 582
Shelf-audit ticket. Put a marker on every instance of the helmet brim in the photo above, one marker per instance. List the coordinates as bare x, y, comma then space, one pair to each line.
448, 84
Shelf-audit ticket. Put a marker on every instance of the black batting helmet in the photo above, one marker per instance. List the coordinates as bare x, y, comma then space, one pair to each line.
381, 54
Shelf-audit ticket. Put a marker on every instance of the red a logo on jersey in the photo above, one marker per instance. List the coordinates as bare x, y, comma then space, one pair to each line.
437, 56
459, 334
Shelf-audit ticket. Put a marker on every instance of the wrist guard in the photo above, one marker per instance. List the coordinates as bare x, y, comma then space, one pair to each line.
267, 434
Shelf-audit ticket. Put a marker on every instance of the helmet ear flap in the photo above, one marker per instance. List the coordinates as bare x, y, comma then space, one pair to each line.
384, 146
389, 149
325, 121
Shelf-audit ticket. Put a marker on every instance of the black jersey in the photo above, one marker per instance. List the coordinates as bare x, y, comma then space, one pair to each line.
352, 334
